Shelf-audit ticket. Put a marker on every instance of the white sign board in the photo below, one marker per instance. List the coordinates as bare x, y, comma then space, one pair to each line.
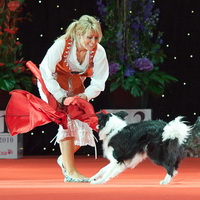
134, 115
10, 146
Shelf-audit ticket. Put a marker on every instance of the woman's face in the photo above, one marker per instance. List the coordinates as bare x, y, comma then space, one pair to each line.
89, 40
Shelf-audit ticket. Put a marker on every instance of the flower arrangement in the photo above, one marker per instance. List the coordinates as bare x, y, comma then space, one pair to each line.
133, 46
13, 74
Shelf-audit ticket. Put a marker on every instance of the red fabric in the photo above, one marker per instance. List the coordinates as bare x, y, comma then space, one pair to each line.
82, 110
34, 69
26, 111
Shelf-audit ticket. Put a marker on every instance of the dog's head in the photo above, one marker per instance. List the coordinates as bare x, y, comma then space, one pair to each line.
108, 122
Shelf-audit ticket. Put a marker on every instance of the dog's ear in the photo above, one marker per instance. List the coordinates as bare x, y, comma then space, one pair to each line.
121, 114
102, 116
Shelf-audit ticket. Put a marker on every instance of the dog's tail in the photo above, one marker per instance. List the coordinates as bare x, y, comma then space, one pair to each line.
176, 129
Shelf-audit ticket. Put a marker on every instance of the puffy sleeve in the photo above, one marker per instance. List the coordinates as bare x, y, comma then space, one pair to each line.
100, 74
48, 67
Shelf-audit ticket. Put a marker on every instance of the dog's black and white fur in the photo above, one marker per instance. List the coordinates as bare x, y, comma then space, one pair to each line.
126, 145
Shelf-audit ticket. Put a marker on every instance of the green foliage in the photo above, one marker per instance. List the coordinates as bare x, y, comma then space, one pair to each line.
13, 74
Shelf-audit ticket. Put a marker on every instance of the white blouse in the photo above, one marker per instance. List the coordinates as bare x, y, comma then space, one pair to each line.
54, 56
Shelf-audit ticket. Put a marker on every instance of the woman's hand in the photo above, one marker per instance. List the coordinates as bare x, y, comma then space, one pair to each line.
82, 96
61, 100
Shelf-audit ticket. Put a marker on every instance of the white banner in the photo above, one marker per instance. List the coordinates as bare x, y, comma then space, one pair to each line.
10, 146
134, 115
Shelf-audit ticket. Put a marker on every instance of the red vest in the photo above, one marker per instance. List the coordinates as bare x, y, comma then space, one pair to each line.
64, 75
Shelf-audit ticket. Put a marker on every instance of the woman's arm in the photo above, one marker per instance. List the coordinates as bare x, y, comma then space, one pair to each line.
100, 74
48, 67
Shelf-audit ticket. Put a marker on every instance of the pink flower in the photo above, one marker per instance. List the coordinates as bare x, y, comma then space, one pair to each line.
13, 5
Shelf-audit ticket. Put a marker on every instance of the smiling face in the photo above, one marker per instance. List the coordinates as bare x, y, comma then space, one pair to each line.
89, 40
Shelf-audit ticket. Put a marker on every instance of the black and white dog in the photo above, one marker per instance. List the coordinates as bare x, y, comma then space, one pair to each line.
126, 145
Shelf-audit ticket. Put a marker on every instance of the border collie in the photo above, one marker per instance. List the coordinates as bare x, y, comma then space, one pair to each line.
126, 145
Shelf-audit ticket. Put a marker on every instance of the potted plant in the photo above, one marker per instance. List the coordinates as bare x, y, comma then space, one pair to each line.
13, 74
133, 46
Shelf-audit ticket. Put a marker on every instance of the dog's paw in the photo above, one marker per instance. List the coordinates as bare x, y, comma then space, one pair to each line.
94, 178
164, 182
98, 181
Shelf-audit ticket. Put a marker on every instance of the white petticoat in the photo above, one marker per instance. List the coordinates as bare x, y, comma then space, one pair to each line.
82, 133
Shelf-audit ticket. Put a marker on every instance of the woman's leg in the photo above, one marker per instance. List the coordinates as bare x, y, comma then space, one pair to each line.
68, 149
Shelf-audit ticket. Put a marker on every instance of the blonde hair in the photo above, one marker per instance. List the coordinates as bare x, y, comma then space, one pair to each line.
82, 26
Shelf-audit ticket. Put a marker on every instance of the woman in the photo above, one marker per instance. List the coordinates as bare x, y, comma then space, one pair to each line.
72, 58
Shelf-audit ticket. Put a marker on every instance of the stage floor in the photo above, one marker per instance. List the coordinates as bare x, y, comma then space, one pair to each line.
39, 177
